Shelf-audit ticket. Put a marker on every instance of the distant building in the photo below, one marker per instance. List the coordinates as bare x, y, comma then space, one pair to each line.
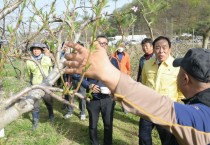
137, 38
130, 39
186, 35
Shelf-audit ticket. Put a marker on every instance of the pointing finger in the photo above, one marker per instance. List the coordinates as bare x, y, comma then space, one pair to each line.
75, 46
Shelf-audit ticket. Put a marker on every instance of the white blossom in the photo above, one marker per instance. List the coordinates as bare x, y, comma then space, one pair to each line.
134, 8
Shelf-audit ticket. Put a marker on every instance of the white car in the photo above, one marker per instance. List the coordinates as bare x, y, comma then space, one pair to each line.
113, 42
134, 42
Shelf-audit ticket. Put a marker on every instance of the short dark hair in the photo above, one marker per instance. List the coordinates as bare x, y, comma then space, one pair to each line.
162, 38
102, 36
146, 40
80, 43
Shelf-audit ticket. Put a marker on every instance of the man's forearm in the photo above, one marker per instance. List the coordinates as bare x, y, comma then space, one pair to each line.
111, 77
146, 102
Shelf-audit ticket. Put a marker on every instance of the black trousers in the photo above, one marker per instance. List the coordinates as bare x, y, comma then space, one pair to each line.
48, 100
106, 108
145, 134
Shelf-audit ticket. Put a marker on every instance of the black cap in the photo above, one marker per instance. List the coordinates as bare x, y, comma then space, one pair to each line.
37, 45
196, 62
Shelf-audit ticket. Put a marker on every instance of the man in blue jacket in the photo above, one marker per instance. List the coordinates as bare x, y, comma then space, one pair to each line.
189, 122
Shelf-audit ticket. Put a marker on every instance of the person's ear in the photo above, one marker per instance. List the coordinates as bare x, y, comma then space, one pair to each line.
186, 79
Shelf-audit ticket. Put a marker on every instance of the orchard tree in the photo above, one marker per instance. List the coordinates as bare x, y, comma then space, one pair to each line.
149, 10
146, 13
206, 37
189, 15
22, 102
203, 25
121, 21
9, 7
46, 26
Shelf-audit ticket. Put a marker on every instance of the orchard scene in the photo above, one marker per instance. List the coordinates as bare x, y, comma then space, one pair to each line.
54, 22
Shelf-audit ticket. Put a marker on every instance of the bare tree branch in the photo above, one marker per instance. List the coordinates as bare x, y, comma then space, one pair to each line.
25, 104
23, 101
10, 8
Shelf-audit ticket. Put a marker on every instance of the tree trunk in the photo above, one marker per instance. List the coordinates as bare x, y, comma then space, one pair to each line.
12, 113
206, 38
14, 107
149, 27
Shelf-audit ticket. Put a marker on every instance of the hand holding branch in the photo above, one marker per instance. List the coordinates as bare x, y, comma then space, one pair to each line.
100, 67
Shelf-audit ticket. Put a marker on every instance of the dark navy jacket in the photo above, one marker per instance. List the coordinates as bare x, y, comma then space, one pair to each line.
86, 82
196, 112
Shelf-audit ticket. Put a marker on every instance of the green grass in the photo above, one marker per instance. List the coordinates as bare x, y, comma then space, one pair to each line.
63, 132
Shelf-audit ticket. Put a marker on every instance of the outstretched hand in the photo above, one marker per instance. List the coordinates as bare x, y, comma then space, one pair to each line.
100, 67
79, 60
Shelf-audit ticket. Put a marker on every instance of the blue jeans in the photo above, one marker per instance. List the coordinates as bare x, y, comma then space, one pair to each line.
145, 133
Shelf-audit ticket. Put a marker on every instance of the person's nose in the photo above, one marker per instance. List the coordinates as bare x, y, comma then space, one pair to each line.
161, 50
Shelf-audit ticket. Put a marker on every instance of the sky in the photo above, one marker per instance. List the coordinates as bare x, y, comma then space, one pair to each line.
60, 4
60, 8
110, 5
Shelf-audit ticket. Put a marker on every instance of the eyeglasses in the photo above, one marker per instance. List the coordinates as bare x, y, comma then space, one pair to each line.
103, 43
